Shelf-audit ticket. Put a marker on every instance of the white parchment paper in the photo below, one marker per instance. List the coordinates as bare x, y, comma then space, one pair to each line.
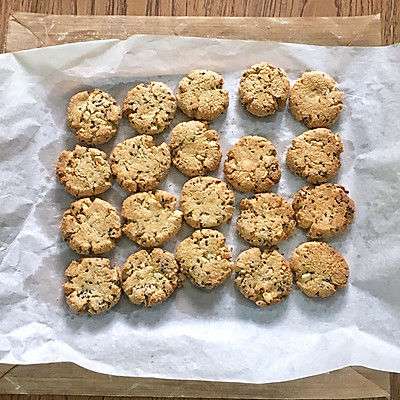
217, 335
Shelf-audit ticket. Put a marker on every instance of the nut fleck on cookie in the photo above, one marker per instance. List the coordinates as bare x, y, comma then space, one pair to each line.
204, 258
91, 226
324, 210
151, 218
319, 270
92, 286
93, 116
315, 100
201, 95
264, 89
263, 277
149, 278
206, 202
265, 219
150, 108
252, 165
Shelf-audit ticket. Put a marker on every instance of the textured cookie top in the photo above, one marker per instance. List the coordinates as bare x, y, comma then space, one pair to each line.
265, 219
252, 165
206, 202
204, 258
324, 210
315, 100
138, 164
201, 95
315, 155
318, 269
150, 108
84, 171
195, 148
91, 226
263, 89
151, 219
92, 286
263, 276
150, 278
93, 116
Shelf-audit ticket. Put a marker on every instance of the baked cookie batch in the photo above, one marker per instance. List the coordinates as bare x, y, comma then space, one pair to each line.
92, 226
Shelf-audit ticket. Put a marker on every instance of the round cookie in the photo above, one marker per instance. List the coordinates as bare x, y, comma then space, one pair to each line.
264, 89
138, 164
93, 116
92, 286
252, 165
91, 226
84, 171
149, 278
315, 155
201, 95
318, 269
195, 148
206, 202
150, 108
325, 210
315, 99
151, 218
204, 258
263, 276
265, 219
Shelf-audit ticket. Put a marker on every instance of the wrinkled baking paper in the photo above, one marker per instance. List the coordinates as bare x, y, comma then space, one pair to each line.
217, 335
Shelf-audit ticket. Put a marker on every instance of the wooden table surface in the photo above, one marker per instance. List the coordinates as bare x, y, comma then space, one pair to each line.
389, 10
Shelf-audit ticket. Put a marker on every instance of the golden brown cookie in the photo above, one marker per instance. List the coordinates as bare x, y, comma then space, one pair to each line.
93, 116
252, 165
91, 226
149, 278
138, 164
315, 155
315, 99
201, 95
263, 276
92, 286
318, 269
151, 218
265, 219
325, 210
150, 108
204, 258
264, 89
195, 148
84, 171
206, 202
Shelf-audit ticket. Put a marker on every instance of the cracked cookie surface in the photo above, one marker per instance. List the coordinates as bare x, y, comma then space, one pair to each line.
315, 99
252, 165
149, 278
195, 148
93, 116
204, 258
263, 277
201, 95
84, 171
92, 286
325, 210
138, 164
319, 270
150, 108
206, 202
151, 218
315, 155
264, 89
91, 226
265, 219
